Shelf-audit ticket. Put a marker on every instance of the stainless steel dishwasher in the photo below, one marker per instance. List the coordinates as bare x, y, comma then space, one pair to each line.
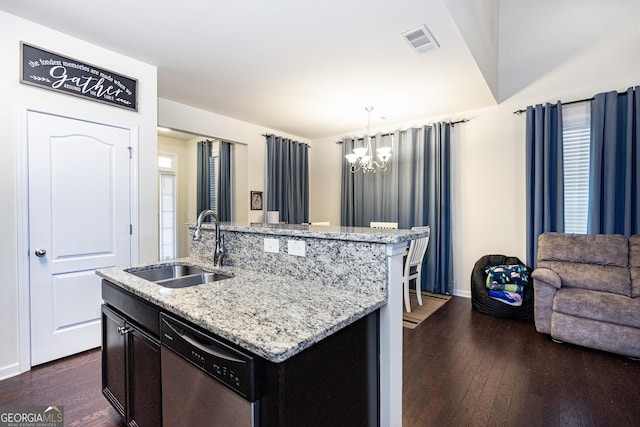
205, 382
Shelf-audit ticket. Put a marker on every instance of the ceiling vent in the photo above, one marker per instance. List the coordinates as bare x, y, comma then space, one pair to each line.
420, 39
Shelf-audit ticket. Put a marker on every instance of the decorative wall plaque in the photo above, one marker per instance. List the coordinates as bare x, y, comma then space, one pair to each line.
67, 75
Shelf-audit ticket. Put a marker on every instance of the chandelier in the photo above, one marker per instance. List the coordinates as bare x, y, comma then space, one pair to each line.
362, 157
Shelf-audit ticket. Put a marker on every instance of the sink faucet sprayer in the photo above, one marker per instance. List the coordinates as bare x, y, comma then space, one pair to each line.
220, 252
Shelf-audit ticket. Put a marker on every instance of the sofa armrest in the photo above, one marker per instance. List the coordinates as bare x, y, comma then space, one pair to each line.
547, 276
546, 283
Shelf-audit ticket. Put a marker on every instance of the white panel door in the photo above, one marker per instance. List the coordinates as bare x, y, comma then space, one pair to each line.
79, 220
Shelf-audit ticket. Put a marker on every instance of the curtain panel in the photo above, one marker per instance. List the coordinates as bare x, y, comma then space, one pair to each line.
614, 190
203, 170
545, 178
437, 209
224, 183
415, 191
287, 171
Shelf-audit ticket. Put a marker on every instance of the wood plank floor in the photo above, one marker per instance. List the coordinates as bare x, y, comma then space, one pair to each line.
465, 368
461, 368
73, 382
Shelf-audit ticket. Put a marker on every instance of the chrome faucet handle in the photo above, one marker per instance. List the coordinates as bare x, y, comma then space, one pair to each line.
220, 252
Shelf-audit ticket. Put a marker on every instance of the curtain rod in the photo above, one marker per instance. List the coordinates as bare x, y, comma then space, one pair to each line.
459, 121
389, 133
518, 112
266, 135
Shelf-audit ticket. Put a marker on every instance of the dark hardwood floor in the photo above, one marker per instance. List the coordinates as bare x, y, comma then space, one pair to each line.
73, 382
465, 368
461, 368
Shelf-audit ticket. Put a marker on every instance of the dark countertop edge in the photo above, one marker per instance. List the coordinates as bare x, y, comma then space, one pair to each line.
353, 234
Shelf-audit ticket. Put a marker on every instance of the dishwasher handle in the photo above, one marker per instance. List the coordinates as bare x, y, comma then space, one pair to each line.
236, 368
215, 349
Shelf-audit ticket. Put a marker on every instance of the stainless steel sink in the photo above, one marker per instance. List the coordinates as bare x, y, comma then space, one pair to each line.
193, 280
154, 274
177, 276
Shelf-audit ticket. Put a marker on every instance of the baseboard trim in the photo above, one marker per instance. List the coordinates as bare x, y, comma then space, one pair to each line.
9, 371
464, 294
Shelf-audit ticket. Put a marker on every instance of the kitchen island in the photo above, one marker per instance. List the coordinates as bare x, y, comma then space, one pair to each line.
311, 283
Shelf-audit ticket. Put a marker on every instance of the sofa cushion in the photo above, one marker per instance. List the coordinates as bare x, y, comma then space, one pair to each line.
602, 249
595, 334
601, 306
634, 264
590, 261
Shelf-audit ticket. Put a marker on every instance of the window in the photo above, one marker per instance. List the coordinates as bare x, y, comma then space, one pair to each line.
167, 209
167, 215
165, 161
576, 134
213, 179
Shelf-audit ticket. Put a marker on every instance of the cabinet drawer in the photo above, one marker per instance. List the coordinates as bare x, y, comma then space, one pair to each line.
135, 308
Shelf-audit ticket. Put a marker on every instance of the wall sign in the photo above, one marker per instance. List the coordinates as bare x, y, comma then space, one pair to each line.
62, 74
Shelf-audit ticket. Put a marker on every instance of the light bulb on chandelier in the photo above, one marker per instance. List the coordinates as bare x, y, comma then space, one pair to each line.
362, 157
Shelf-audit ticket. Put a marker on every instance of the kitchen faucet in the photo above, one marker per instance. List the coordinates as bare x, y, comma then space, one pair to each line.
220, 251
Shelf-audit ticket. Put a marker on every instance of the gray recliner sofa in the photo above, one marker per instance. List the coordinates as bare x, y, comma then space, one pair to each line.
587, 290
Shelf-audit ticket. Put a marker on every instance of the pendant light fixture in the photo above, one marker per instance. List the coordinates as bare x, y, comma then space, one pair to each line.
362, 157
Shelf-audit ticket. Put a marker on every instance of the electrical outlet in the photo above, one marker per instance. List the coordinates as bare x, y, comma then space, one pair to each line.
297, 247
272, 245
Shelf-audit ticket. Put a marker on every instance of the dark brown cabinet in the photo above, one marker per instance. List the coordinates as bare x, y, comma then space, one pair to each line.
131, 370
145, 402
114, 357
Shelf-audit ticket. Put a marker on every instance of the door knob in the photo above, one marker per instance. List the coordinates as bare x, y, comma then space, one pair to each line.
41, 252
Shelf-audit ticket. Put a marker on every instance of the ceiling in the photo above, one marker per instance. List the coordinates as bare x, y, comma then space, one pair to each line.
308, 68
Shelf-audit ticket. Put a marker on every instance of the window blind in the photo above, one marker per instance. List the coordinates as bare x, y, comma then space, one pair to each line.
213, 183
576, 152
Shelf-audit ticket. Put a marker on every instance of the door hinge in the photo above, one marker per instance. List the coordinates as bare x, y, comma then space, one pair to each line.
131, 229
130, 152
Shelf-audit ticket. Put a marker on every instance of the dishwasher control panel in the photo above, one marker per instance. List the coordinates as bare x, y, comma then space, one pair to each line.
230, 365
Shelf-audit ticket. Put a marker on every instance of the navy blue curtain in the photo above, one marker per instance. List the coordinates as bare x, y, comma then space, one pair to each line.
224, 183
203, 170
545, 178
437, 210
414, 191
614, 191
288, 179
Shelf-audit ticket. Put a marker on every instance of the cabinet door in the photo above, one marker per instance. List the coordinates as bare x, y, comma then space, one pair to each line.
114, 359
145, 393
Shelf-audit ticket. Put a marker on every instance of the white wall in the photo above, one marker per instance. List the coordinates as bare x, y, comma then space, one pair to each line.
249, 152
15, 98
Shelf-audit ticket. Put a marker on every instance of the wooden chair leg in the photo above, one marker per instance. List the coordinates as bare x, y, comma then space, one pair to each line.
407, 301
419, 287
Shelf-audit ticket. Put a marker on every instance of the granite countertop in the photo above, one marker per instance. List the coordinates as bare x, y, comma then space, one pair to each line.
272, 316
353, 234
